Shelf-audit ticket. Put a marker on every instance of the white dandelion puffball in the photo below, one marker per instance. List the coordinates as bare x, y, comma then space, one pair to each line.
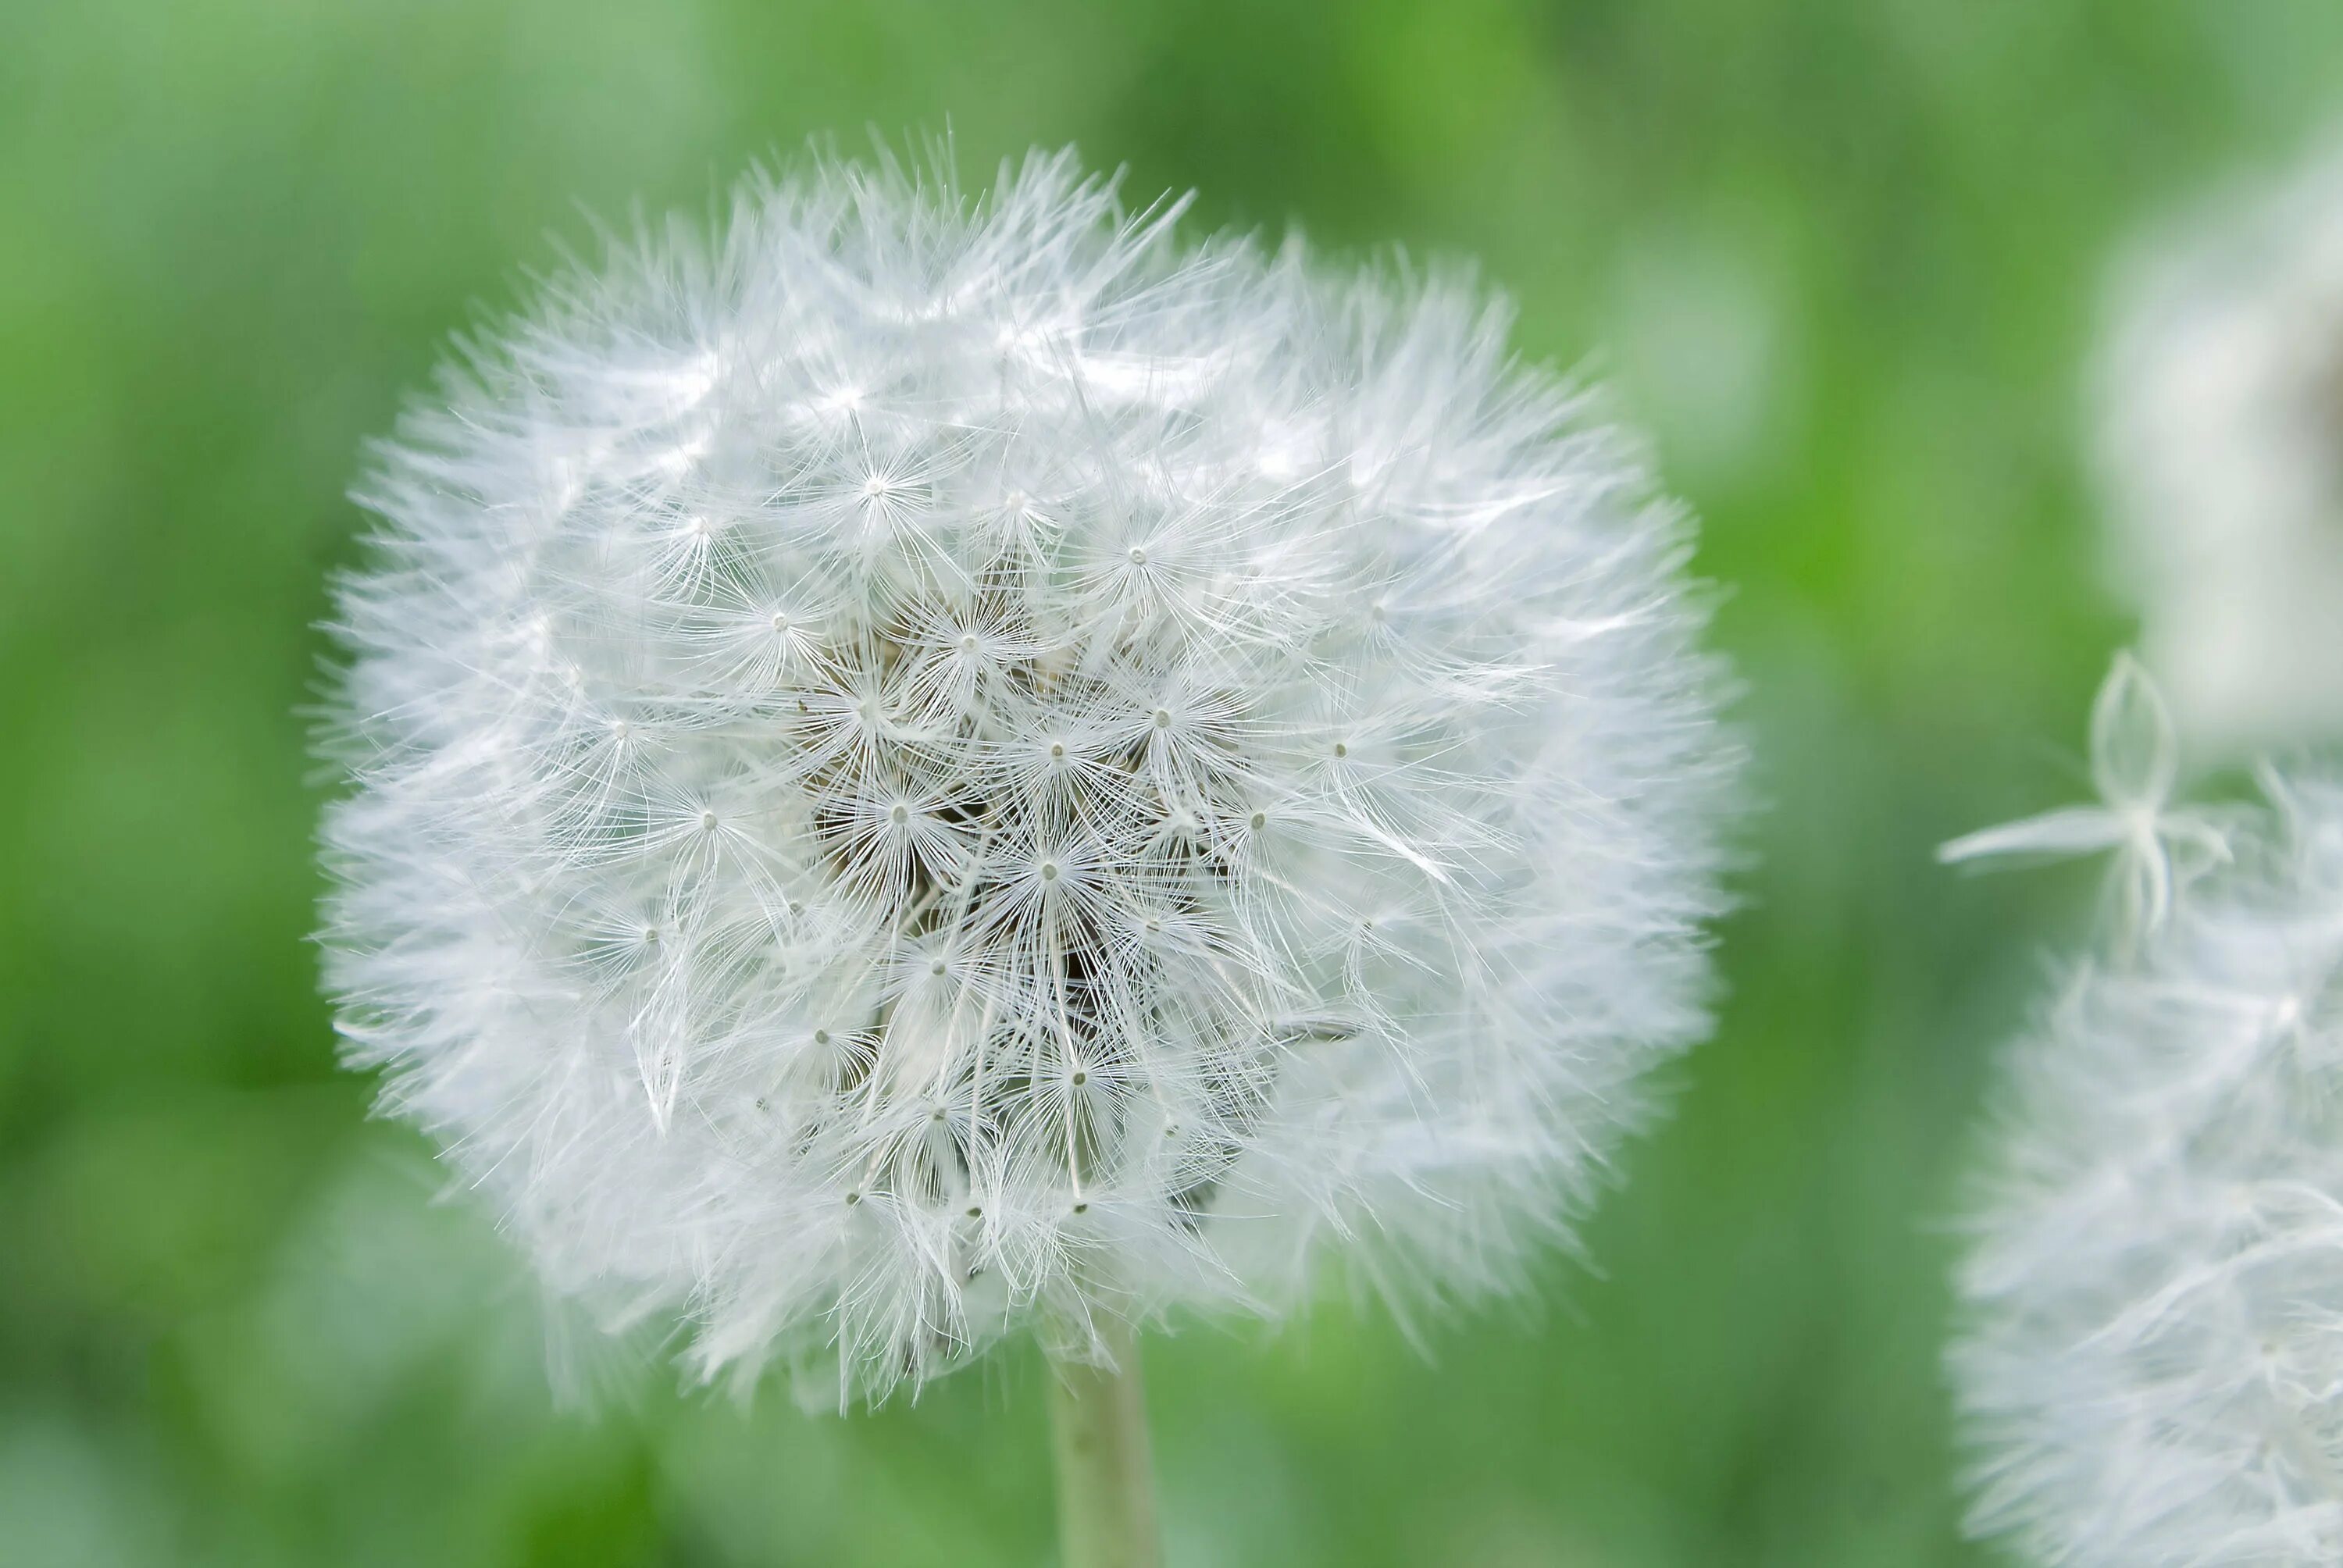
926, 767
2152, 1369
2220, 442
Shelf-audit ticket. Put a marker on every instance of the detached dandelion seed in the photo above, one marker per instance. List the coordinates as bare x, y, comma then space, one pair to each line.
934, 619
2159, 845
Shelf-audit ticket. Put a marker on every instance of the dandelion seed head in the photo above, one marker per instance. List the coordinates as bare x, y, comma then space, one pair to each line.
883, 608
2220, 402
2150, 1368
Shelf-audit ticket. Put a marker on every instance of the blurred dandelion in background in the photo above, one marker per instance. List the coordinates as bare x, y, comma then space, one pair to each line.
926, 766
2151, 1362
2220, 393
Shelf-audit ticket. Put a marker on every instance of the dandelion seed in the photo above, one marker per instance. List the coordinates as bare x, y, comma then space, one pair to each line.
2135, 763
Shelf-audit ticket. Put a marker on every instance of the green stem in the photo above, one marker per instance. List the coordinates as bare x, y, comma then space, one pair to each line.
1106, 1489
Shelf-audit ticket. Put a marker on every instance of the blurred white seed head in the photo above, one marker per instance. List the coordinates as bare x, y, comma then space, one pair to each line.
924, 766
2151, 1362
2221, 398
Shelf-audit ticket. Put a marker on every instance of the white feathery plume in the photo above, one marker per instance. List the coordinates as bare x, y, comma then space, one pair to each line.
2219, 398
2159, 847
924, 766
2151, 1366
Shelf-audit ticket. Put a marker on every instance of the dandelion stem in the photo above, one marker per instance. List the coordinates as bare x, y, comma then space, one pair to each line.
1106, 1487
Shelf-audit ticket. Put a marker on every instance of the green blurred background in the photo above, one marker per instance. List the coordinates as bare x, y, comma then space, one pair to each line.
1842, 257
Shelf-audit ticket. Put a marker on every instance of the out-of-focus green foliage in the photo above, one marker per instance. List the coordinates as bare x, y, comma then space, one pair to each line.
1842, 257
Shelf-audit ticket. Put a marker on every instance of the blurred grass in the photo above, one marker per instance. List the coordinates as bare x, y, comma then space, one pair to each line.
1841, 256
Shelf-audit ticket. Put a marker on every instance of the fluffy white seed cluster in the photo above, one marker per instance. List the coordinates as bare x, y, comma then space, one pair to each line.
2220, 398
2152, 1364
926, 766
